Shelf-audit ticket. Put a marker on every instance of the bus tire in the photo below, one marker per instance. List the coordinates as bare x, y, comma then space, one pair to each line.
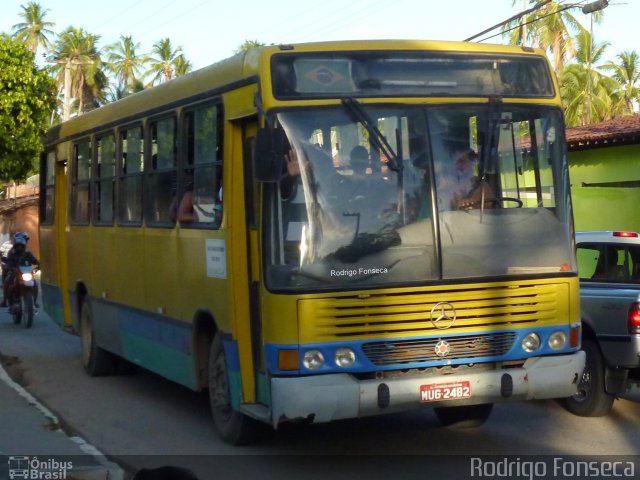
233, 427
591, 400
96, 361
467, 416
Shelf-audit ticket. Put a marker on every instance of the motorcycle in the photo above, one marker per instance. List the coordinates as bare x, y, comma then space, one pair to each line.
22, 297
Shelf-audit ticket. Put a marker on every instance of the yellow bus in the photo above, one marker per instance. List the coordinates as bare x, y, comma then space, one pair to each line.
324, 231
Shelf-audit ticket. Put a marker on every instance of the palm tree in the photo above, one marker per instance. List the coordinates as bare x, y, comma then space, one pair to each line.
549, 28
588, 95
34, 30
248, 45
125, 63
79, 68
162, 61
627, 73
182, 66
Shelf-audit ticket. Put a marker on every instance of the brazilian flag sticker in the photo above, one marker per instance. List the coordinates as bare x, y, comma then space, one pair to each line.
323, 76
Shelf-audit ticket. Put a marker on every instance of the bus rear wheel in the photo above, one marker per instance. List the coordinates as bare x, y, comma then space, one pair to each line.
233, 427
96, 361
468, 416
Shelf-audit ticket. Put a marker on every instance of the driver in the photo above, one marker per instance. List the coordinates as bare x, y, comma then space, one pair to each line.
463, 189
19, 256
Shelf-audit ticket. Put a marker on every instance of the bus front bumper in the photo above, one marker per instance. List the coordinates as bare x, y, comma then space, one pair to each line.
323, 398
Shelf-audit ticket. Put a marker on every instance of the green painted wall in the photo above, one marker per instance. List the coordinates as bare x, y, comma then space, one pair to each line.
605, 208
608, 164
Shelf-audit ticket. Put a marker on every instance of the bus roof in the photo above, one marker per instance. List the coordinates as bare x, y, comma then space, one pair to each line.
243, 68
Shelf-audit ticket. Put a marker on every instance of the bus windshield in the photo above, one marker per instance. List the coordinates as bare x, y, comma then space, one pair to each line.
473, 192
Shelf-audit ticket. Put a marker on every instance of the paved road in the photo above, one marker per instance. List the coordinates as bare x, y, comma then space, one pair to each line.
143, 414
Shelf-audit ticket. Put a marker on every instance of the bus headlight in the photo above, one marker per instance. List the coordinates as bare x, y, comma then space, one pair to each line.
531, 342
313, 359
557, 340
345, 357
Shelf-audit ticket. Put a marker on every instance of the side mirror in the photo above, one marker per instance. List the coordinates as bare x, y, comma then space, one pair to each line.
268, 155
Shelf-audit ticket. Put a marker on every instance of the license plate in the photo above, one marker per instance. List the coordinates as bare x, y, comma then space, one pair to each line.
437, 392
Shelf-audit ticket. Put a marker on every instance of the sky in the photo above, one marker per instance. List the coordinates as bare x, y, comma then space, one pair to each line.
210, 30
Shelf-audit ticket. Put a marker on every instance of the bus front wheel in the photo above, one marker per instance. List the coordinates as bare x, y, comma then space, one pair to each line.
234, 427
591, 399
96, 361
468, 416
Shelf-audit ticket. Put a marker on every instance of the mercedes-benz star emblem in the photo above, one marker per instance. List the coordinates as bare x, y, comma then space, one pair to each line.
443, 315
442, 348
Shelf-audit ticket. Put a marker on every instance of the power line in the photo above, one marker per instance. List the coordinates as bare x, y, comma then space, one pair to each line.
532, 21
174, 18
313, 23
510, 19
126, 10
370, 9
155, 13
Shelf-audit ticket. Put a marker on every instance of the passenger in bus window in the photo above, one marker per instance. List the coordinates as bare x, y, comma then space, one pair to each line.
186, 213
206, 207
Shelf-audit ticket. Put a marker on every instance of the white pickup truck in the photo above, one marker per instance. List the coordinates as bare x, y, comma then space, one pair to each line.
609, 266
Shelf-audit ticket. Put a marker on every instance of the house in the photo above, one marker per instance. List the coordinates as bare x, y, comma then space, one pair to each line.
604, 166
19, 212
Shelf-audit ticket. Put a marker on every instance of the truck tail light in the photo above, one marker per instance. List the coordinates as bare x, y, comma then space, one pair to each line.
634, 318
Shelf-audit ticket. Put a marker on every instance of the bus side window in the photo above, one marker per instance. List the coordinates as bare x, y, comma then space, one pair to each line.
201, 200
161, 184
80, 205
48, 186
131, 168
105, 179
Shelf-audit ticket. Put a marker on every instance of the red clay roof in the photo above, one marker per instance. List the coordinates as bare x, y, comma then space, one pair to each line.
623, 130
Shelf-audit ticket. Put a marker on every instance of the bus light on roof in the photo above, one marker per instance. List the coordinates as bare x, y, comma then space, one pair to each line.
625, 234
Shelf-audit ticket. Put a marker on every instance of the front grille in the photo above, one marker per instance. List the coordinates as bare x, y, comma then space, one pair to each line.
417, 351
389, 315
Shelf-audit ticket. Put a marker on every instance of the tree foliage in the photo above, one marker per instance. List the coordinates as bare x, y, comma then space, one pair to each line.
248, 45
34, 29
27, 98
88, 81
124, 61
163, 61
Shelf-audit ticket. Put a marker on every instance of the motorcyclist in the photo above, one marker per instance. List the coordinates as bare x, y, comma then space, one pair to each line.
18, 256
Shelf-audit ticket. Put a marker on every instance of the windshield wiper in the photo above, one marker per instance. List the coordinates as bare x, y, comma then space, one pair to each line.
375, 135
489, 153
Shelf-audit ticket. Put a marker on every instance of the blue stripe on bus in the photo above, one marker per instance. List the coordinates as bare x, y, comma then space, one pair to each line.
232, 359
363, 365
156, 328
232, 356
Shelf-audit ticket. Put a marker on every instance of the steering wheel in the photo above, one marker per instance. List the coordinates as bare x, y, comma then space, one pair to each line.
495, 202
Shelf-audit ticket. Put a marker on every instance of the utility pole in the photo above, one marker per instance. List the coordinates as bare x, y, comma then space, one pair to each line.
66, 106
590, 8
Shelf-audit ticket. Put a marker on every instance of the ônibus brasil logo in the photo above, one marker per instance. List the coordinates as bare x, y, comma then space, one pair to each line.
31, 468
